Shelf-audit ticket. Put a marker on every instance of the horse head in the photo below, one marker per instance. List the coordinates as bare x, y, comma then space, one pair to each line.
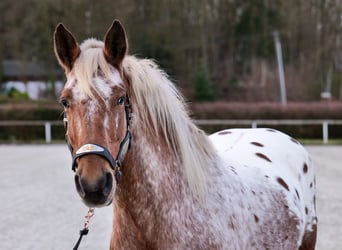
97, 110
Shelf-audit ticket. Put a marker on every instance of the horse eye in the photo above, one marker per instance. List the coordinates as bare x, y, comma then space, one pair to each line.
121, 100
64, 103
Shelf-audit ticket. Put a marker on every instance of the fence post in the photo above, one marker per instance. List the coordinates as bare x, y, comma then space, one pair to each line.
325, 132
254, 124
47, 132
283, 97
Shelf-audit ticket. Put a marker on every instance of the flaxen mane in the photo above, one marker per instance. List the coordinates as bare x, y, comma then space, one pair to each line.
165, 108
89, 62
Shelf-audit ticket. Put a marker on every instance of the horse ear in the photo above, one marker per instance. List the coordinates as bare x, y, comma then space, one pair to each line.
66, 47
115, 44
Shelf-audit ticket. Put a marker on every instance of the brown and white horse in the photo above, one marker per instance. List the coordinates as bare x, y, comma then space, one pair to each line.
172, 186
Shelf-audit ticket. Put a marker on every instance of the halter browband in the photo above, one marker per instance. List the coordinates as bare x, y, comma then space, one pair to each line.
95, 149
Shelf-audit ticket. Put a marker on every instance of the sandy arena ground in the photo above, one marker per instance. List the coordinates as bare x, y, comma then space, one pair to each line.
41, 210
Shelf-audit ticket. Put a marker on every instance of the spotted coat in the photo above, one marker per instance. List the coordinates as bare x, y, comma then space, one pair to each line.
260, 196
264, 158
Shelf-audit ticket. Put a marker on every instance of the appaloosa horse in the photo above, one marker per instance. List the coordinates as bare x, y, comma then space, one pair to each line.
173, 187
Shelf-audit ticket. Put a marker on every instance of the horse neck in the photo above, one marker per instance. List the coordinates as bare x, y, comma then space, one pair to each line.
151, 180
151, 168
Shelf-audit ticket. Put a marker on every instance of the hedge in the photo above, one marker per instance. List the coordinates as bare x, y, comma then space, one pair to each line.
30, 110
227, 110
241, 111
210, 110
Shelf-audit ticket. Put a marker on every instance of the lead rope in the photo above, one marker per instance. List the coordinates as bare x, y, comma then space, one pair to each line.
85, 230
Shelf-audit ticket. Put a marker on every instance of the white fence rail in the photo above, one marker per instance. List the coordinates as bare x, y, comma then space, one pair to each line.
257, 123
229, 123
47, 126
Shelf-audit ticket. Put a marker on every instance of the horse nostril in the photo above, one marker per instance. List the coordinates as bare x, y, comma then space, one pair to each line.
79, 186
104, 185
108, 184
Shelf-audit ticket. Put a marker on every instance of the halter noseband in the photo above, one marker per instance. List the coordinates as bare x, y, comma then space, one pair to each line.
95, 149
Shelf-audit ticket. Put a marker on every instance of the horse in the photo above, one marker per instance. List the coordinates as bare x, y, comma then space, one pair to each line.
172, 186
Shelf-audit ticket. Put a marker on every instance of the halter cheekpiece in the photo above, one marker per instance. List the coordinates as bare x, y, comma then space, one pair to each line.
96, 149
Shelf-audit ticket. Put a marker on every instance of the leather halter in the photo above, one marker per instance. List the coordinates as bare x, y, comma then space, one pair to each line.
96, 149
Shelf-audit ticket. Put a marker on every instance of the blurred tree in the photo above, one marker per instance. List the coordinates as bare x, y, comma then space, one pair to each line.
233, 38
204, 88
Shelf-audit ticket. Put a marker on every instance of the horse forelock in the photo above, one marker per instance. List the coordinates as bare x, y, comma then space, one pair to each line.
162, 108
87, 66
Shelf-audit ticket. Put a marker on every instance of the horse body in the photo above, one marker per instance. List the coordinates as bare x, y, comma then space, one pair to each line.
245, 201
237, 189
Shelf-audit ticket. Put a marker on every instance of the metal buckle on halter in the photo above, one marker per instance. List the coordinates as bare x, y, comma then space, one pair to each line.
65, 121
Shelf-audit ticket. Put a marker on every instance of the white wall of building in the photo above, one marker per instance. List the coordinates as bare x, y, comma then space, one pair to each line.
34, 88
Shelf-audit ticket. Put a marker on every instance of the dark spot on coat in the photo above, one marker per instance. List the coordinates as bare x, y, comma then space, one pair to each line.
258, 144
225, 132
311, 185
263, 157
233, 170
306, 211
305, 168
283, 183
256, 218
253, 192
297, 194
231, 224
266, 176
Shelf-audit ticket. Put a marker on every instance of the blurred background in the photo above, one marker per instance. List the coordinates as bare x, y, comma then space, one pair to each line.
222, 54
239, 63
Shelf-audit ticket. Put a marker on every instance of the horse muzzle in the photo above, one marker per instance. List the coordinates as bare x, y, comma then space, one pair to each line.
96, 193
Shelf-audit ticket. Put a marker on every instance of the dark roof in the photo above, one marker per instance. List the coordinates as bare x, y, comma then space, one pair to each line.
14, 69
